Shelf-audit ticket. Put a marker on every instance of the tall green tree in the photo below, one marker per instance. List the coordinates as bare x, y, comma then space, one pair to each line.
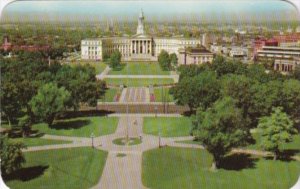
173, 59
276, 130
264, 96
296, 73
223, 67
199, 91
220, 128
81, 82
11, 155
49, 101
164, 60
238, 87
115, 59
10, 104
192, 70
290, 99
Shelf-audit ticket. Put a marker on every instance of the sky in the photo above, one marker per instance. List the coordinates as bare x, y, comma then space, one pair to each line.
162, 10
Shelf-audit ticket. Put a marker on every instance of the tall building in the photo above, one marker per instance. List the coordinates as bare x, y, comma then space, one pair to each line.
139, 47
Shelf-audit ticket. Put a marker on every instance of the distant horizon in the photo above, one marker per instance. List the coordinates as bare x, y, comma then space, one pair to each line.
91, 11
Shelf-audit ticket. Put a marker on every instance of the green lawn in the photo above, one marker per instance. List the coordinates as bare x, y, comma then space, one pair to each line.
293, 147
172, 168
139, 68
81, 126
76, 168
38, 141
161, 94
109, 95
170, 126
138, 82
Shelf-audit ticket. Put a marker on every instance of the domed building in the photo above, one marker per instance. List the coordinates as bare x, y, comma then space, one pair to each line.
139, 47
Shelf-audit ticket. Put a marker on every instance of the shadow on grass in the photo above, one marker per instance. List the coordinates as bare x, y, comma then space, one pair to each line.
26, 174
85, 113
72, 124
119, 68
238, 162
285, 155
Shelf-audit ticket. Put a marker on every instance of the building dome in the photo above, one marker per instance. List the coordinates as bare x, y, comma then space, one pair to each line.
140, 28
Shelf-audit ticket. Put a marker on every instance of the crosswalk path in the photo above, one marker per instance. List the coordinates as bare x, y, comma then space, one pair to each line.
135, 94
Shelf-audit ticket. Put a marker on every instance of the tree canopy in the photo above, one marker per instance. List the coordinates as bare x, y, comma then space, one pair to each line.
115, 59
49, 101
198, 91
164, 60
276, 130
220, 128
11, 155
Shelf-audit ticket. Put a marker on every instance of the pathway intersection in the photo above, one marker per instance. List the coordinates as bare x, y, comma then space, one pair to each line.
123, 168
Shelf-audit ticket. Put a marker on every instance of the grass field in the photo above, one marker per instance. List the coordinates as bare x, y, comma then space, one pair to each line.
38, 141
172, 168
76, 168
109, 95
80, 127
158, 93
139, 68
289, 149
138, 82
170, 126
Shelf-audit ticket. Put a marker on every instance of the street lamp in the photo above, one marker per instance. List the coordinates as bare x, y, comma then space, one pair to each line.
93, 136
155, 108
159, 136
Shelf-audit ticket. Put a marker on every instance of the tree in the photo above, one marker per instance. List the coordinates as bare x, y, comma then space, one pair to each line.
201, 90
25, 124
223, 67
10, 104
11, 155
264, 96
258, 72
276, 130
164, 60
220, 128
290, 99
191, 70
238, 87
296, 73
49, 101
173, 59
81, 82
115, 59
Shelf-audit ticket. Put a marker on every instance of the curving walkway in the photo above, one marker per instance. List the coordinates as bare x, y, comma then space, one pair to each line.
123, 168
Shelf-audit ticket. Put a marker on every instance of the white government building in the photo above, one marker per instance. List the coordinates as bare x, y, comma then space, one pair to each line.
142, 47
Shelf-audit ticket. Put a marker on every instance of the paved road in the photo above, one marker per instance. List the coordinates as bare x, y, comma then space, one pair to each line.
124, 172
135, 95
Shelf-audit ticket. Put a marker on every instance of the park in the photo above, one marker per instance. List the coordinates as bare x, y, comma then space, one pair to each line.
161, 148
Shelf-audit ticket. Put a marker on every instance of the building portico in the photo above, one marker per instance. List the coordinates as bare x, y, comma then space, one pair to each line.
139, 47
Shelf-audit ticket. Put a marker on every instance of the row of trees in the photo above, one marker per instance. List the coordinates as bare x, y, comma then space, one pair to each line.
231, 98
38, 91
34, 91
